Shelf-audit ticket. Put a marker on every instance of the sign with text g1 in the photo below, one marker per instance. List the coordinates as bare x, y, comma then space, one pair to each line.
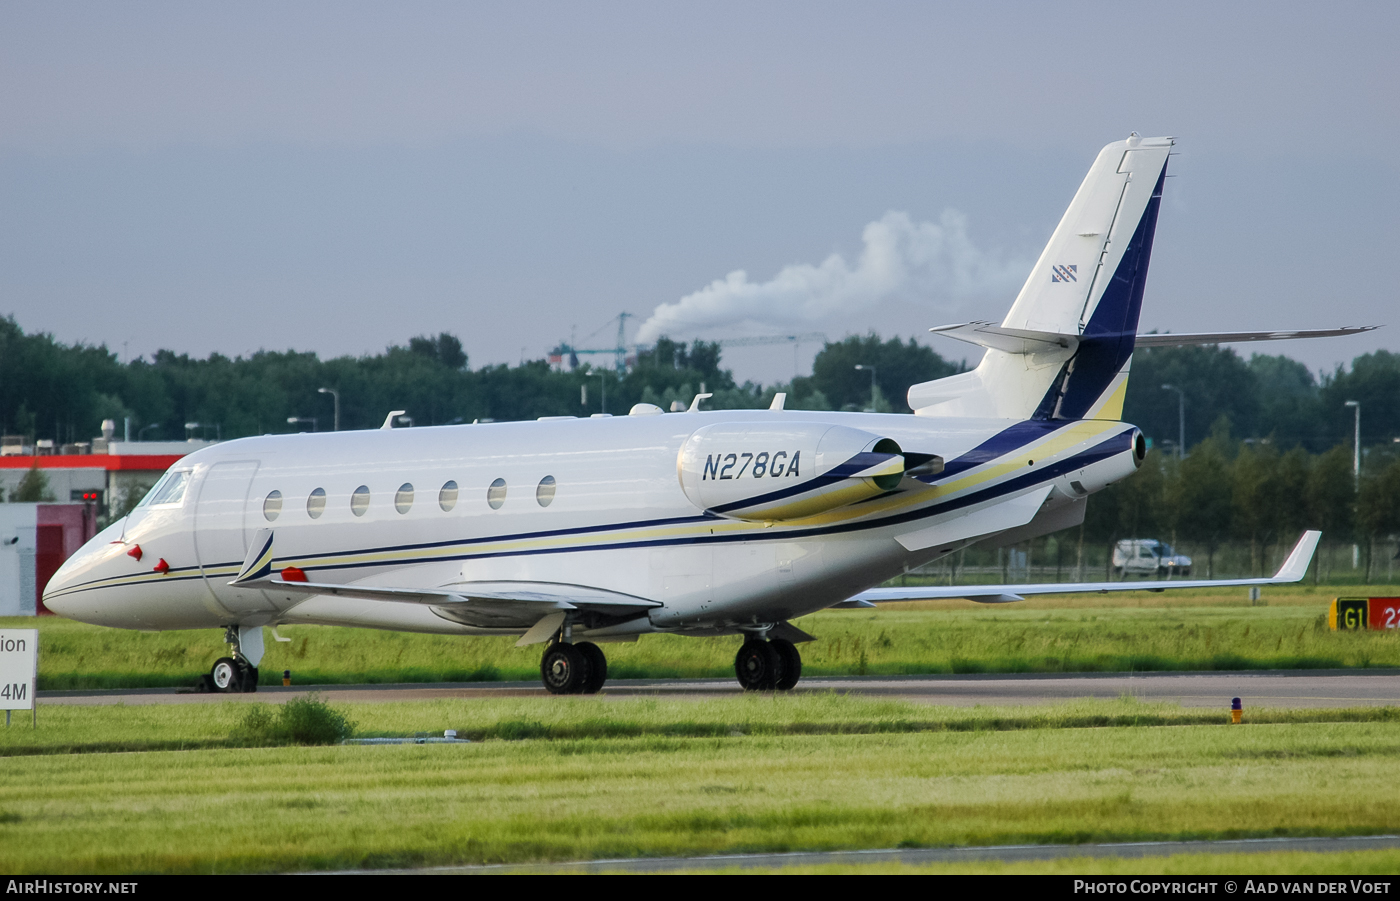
19, 668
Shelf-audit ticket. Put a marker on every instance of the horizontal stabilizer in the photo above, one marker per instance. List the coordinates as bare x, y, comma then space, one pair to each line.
1292, 571
1183, 340
1027, 341
1007, 340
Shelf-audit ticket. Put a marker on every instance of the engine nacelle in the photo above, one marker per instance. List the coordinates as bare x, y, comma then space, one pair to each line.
774, 473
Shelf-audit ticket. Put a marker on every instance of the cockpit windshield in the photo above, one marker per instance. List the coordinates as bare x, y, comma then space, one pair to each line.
169, 490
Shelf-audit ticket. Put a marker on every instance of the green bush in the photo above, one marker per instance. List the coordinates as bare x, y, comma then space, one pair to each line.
300, 721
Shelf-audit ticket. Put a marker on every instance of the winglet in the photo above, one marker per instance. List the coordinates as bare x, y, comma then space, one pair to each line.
257, 566
1296, 566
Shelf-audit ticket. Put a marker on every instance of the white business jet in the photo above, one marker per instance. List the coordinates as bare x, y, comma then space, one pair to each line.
577, 532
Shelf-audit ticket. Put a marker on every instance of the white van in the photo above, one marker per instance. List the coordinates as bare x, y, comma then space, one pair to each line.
1149, 557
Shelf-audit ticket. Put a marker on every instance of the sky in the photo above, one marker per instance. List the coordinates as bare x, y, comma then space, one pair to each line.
339, 177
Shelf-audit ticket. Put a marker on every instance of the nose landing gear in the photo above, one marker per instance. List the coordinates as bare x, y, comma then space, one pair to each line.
231, 675
768, 665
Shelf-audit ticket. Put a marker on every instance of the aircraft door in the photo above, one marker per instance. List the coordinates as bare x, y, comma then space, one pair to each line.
221, 534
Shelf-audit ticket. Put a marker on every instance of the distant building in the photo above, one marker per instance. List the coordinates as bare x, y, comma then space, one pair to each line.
86, 484
112, 479
35, 539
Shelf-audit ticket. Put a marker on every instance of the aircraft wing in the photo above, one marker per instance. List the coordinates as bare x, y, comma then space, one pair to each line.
503, 604
540, 596
1292, 570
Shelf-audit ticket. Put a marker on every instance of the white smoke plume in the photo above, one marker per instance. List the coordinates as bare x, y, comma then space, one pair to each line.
935, 263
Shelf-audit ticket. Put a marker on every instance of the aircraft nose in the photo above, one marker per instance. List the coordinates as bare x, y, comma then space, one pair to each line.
69, 592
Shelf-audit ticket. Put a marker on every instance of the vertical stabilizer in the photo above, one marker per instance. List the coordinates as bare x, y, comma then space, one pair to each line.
1087, 284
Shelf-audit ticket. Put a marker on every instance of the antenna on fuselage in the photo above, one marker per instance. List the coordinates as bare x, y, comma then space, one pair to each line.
389, 420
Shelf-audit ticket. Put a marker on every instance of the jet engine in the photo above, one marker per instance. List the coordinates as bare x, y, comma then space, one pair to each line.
775, 473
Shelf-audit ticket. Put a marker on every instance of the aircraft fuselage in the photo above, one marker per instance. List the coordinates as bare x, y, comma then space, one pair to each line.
591, 502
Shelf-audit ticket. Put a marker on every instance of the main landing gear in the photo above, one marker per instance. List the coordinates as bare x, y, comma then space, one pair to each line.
574, 669
230, 675
768, 665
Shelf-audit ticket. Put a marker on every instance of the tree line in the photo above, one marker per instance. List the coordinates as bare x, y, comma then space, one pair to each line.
63, 392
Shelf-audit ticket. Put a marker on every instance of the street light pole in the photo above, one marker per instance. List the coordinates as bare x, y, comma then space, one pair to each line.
336, 395
863, 367
1356, 473
1180, 420
1356, 443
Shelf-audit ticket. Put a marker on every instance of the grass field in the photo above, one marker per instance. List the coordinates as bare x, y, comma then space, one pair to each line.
567, 779
1137, 631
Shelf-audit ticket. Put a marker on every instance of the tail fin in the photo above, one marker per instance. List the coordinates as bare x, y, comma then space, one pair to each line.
1063, 352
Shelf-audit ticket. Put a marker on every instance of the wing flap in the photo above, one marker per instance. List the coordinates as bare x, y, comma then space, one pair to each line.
529, 595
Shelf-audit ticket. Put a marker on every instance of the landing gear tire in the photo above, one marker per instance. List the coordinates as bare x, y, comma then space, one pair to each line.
248, 677
564, 669
758, 666
791, 663
226, 676
597, 666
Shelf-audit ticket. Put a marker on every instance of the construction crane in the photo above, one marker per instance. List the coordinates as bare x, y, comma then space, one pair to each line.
567, 351
795, 340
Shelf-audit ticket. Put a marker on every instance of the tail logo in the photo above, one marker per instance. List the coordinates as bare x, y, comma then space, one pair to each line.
1063, 273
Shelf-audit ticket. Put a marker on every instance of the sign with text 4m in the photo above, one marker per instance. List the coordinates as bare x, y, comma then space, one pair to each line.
19, 668
1364, 613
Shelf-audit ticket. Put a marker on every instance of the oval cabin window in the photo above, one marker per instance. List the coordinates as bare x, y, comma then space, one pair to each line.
447, 497
272, 506
316, 503
545, 492
496, 494
403, 498
359, 501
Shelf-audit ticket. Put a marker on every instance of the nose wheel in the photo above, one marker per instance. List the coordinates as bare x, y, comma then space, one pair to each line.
768, 665
572, 669
230, 675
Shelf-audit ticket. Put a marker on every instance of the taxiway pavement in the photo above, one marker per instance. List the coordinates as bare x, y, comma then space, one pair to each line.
1288, 688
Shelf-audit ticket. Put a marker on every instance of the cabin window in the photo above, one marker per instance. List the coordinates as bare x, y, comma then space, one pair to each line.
169, 490
403, 498
316, 503
272, 505
496, 494
447, 497
545, 492
359, 501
